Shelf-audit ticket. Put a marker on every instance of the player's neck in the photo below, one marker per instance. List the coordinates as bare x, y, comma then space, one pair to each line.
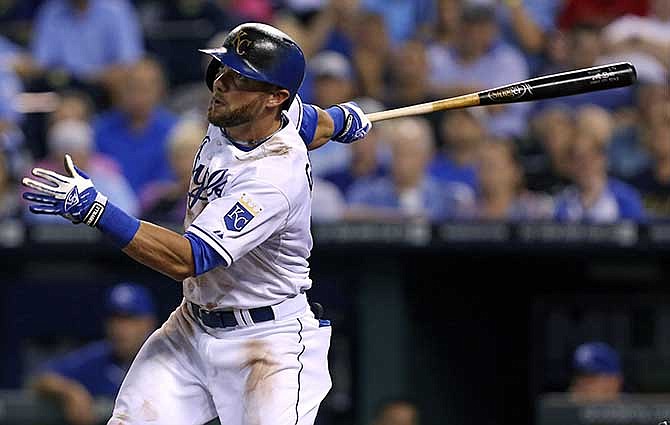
255, 132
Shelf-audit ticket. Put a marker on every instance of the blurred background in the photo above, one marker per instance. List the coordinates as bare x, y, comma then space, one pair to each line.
498, 265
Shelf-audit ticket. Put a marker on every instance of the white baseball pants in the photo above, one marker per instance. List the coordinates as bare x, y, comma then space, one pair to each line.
270, 373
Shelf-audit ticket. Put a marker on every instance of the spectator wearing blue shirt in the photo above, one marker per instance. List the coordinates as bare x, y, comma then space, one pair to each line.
479, 60
594, 196
409, 192
369, 160
461, 133
97, 369
135, 133
90, 40
597, 373
403, 18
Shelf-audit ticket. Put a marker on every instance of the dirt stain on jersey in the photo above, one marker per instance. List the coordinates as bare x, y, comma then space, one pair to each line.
148, 411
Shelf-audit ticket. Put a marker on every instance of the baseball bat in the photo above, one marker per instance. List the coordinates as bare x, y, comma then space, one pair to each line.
568, 83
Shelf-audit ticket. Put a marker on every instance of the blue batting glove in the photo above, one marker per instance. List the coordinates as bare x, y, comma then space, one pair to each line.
73, 197
351, 123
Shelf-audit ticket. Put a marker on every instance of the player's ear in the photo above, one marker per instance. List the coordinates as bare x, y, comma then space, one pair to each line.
277, 97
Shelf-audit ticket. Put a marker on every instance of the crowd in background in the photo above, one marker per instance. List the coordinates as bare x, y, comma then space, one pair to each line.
119, 85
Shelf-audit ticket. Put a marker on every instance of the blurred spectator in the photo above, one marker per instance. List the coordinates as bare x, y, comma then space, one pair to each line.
526, 23
175, 30
135, 133
97, 369
76, 138
91, 41
396, 412
654, 181
466, 66
191, 99
595, 197
461, 133
448, 21
369, 158
410, 192
403, 18
598, 12
74, 105
249, 10
372, 54
547, 163
322, 25
328, 203
597, 375
333, 80
628, 153
16, 18
642, 34
10, 83
502, 195
408, 76
10, 206
165, 201
584, 48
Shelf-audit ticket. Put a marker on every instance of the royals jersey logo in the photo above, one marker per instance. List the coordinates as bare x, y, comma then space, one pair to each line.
205, 184
241, 214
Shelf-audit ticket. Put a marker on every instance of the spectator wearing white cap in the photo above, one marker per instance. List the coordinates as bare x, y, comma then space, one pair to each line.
76, 138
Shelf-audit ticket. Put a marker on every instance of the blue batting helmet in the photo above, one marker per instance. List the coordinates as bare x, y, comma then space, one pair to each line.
260, 52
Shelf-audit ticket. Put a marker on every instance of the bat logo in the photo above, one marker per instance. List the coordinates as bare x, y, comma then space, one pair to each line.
510, 93
241, 43
602, 76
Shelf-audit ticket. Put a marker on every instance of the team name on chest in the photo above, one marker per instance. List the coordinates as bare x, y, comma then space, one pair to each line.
206, 184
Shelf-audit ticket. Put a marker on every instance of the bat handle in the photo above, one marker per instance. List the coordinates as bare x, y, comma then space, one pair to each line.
457, 102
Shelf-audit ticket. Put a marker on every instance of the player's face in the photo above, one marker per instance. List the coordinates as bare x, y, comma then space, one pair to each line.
236, 100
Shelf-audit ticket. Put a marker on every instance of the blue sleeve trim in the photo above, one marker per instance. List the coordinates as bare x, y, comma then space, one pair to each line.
118, 225
337, 114
308, 124
205, 258
211, 240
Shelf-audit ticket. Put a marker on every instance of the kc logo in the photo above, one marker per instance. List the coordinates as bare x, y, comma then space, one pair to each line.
241, 44
241, 214
237, 218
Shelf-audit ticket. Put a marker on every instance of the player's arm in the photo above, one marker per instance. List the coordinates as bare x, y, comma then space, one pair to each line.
204, 246
74, 197
77, 402
343, 123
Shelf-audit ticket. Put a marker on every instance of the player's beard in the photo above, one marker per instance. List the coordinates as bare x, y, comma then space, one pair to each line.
232, 118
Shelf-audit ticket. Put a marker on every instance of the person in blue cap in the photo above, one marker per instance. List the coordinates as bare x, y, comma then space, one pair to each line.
97, 369
597, 373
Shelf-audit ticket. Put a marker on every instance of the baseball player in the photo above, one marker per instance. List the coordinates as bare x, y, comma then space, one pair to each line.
244, 344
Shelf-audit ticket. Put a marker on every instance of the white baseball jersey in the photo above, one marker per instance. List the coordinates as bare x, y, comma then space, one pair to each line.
252, 207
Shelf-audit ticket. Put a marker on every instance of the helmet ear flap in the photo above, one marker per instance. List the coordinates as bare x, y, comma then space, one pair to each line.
210, 75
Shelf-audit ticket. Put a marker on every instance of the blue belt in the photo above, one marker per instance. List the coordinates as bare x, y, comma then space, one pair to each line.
226, 319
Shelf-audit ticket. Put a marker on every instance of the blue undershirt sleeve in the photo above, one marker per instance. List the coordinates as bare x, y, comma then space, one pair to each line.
205, 258
310, 119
